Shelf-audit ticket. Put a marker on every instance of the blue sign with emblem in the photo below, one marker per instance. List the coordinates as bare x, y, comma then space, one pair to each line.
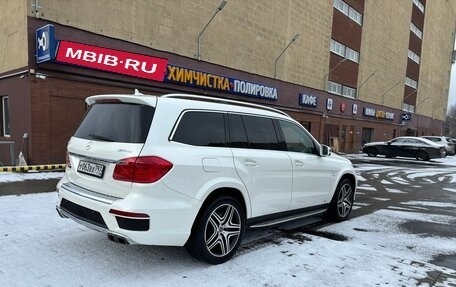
406, 117
45, 44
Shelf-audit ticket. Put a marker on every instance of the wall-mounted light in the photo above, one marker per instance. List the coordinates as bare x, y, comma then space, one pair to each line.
326, 76
392, 87
219, 8
291, 42
40, 76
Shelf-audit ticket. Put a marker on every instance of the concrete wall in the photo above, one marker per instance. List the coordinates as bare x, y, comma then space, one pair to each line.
246, 35
13, 35
438, 43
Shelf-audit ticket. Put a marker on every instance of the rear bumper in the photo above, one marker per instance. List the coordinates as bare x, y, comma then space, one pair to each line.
115, 237
169, 220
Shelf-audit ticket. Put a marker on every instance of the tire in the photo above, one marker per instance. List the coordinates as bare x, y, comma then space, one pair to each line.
372, 152
422, 155
342, 202
218, 232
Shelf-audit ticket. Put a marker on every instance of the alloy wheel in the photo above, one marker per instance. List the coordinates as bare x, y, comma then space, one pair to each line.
344, 200
222, 231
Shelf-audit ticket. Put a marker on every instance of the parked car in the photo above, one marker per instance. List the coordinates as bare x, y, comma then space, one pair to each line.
195, 171
446, 141
415, 147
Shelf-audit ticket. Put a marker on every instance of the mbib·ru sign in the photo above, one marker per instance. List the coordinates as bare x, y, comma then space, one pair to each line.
110, 60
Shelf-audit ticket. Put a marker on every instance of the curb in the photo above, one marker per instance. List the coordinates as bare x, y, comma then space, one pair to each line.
48, 167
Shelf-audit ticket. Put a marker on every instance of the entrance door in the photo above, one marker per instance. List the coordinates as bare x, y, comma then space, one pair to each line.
367, 135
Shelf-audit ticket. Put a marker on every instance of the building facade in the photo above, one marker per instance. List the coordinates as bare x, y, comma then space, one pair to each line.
351, 71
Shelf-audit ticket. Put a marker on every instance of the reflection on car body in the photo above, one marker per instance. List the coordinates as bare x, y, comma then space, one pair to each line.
414, 147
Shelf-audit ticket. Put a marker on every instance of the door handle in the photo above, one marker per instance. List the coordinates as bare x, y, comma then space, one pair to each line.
249, 162
299, 163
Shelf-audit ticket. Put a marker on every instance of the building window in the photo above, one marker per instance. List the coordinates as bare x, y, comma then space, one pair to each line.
337, 48
416, 31
341, 90
419, 5
414, 57
349, 92
411, 83
341, 50
5, 117
334, 88
408, 108
348, 10
352, 55
341, 6
355, 16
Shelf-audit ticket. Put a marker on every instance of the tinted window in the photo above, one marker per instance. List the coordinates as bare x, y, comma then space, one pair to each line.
201, 129
116, 122
260, 133
238, 136
296, 138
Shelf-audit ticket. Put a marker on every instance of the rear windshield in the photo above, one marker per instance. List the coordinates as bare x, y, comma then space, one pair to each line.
116, 122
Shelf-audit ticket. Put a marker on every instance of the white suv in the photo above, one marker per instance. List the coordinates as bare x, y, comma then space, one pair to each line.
195, 171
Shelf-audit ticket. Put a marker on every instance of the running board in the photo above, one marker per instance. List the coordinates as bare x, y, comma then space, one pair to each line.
287, 219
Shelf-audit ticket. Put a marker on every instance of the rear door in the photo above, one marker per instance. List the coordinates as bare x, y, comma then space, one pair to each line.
112, 129
264, 168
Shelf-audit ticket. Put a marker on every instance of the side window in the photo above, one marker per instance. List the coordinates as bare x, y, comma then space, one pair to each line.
238, 136
201, 129
261, 133
296, 139
398, 141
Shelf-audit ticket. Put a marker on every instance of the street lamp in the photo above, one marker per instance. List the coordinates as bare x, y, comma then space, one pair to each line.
220, 7
291, 42
327, 74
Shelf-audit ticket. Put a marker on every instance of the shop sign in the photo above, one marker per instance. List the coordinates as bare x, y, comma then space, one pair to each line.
204, 80
406, 117
104, 59
329, 104
354, 109
378, 114
45, 44
308, 100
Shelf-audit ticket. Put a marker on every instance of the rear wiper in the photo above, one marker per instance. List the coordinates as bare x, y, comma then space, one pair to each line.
101, 138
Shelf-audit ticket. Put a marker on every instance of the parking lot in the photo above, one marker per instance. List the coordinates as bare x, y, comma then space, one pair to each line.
401, 233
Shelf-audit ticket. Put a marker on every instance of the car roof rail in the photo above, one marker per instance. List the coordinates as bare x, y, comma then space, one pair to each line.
223, 101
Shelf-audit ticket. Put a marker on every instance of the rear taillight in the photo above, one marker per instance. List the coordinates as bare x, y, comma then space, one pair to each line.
145, 169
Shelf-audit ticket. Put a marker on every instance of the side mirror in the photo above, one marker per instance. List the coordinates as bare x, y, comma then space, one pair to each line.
325, 150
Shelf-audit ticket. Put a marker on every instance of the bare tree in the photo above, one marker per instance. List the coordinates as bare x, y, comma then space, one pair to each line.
450, 122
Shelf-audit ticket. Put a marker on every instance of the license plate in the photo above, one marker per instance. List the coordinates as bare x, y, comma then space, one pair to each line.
91, 168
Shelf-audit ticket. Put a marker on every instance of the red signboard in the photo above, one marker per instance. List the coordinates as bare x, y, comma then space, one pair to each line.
110, 60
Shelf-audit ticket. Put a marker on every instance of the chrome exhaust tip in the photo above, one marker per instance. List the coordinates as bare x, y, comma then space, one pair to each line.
117, 239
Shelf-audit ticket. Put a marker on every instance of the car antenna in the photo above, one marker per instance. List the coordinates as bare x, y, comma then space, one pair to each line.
137, 93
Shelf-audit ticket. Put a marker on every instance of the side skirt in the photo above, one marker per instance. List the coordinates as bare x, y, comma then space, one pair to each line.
286, 216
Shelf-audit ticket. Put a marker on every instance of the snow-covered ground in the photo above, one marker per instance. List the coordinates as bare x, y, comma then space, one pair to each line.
38, 248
